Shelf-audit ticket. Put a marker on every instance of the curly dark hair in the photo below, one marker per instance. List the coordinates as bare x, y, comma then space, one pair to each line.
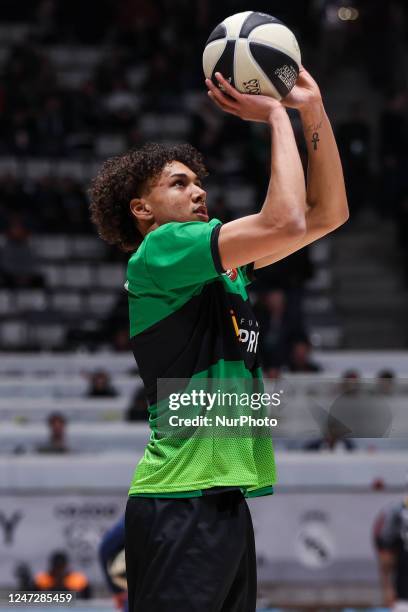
123, 178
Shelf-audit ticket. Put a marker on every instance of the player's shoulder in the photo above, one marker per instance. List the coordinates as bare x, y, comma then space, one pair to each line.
166, 240
162, 237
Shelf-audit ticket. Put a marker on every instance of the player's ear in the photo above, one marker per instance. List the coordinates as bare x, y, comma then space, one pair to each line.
140, 209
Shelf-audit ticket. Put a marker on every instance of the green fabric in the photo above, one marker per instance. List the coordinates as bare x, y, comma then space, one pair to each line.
173, 265
163, 273
177, 464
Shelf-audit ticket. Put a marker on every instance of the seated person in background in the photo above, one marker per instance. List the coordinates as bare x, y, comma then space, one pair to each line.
57, 435
332, 440
339, 424
22, 572
277, 325
299, 359
18, 262
100, 385
60, 578
137, 410
351, 382
385, 384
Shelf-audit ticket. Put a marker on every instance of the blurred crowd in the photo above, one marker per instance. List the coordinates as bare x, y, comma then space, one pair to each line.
150, 62
357, 415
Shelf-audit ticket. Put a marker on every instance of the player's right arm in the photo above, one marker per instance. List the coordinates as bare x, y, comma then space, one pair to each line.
281, 220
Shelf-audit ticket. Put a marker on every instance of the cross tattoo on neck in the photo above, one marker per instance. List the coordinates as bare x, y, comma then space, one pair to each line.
315, 140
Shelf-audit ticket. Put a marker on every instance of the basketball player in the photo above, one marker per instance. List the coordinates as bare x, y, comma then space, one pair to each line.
189, 537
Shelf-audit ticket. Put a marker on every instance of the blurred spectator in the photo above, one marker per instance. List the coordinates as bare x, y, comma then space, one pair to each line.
299, 358
18, 263
59, 577
138, 409
343, 418
331, 441
120, 340
277, 326
385, 383
273, 373
57, 435
100, 385
357, 412
350, 383
391, 542
24, 577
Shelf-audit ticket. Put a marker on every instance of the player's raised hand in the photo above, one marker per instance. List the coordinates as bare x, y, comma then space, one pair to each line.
305, 92
245, 106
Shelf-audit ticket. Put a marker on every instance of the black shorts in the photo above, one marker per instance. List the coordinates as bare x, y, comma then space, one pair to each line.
190, 555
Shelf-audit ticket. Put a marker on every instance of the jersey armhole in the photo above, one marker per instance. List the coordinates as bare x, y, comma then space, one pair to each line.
215, 251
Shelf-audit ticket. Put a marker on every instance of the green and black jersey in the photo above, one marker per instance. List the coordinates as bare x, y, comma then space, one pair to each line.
190, 319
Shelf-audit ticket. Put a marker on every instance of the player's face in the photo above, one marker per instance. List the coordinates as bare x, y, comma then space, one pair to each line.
177, 195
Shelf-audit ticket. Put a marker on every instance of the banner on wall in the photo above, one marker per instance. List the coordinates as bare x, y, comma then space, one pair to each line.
305, 536
32, 527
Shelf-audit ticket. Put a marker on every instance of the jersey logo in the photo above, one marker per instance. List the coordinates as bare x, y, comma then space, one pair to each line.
232, 274
248, 336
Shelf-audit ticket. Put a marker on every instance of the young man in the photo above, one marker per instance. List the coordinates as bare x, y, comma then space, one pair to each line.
189, 537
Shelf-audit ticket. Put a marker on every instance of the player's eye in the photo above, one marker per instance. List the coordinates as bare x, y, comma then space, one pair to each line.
178, 182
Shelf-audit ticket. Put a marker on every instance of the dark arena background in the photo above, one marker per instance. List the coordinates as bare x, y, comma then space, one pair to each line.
83, 81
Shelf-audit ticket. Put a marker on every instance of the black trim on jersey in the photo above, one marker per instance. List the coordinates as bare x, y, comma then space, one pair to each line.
215, 252
195, 337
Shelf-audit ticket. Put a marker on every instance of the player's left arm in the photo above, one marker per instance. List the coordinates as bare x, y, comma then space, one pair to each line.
326, 207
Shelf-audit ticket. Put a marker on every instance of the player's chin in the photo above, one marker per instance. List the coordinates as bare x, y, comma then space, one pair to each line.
201, 217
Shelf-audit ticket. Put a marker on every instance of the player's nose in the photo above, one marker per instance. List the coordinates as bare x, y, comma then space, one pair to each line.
199, 194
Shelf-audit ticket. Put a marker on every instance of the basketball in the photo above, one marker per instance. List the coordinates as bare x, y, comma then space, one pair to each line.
255, 52
117, 570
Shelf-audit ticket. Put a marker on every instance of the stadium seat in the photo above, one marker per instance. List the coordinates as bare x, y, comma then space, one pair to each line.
51, 247
67, 302
101, 303
13, 334
30, 300
77, 276
110, 276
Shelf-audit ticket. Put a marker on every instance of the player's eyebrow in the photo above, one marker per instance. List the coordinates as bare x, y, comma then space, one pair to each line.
184, 175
